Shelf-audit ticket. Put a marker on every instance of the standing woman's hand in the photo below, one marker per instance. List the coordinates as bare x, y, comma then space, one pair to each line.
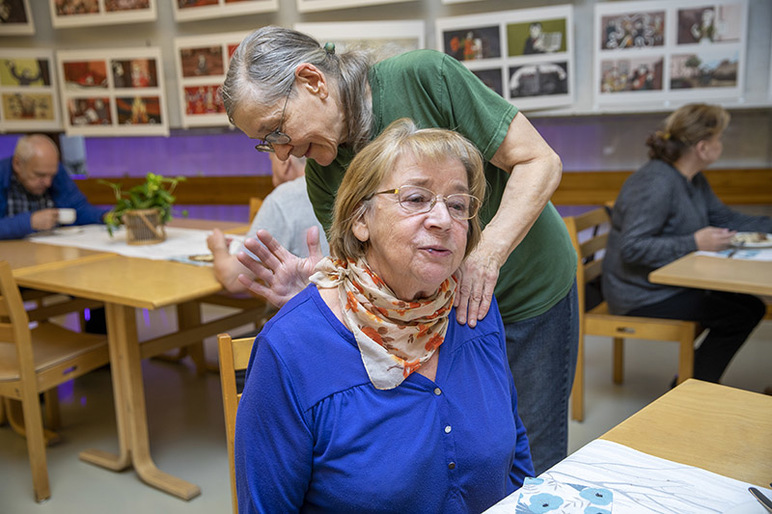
477, 279
279, 274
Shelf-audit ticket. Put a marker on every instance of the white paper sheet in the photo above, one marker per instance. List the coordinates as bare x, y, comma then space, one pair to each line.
633, 482
180, 242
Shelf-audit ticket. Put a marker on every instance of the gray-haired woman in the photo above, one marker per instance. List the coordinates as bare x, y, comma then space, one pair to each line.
301, 98
361, 394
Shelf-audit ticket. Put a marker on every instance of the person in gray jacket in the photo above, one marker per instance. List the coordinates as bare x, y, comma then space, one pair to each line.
666, 210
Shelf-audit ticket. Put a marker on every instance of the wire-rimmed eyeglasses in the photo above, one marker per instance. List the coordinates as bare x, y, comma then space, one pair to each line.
277, 137
419, 200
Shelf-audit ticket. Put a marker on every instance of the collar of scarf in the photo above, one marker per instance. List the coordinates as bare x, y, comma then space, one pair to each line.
394, 337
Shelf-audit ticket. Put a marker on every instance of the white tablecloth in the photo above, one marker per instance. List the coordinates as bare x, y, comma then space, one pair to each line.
607, 477
180, 242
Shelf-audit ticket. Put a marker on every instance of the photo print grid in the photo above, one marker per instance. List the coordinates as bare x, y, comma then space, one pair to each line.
383, 39
524, 55
304, 6
78, 13
29, 99
112, 92
189, 10
201, 63
657, 53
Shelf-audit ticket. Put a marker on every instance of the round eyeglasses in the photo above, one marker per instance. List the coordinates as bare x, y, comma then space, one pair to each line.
419, 200
277, 137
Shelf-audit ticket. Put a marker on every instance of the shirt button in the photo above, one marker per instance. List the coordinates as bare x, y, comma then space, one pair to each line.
447, 429
437, 391
452, 465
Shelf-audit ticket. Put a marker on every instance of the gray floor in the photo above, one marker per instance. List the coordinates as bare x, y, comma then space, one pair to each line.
188, 437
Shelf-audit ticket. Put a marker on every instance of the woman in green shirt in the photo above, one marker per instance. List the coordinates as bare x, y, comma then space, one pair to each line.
299, 98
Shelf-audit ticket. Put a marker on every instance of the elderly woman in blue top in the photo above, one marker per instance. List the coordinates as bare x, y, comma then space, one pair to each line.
33, 185
360, 395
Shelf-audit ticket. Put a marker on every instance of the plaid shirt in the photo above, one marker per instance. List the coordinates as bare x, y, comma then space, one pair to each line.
20, 200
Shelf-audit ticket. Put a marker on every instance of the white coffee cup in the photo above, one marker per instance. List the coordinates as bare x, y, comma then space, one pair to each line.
66, 216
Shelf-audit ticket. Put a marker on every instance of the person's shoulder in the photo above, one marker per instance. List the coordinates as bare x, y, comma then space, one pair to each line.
653, 170
5, 169
292, 187
301, 324
421, 61
316, 350
488, 331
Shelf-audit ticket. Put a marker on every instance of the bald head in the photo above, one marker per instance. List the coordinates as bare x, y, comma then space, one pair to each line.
284, 171
35, 163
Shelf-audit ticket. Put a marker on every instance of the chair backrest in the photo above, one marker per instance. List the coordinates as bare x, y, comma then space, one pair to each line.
589, 235
14, 327
234, 356
254, 205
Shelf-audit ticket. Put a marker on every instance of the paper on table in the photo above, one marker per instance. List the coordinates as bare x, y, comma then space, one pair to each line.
750, 254
631, 481
180, 242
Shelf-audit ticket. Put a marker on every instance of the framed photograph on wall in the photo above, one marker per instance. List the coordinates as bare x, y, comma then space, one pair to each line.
202, 62
78, 13
660, 53
112, 92
29, 100
16, 18
187, 10
328, 5
382, 38
525, 55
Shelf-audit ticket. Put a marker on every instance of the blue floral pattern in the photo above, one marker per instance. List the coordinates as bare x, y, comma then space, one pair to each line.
544, 495
597, 496
541, 503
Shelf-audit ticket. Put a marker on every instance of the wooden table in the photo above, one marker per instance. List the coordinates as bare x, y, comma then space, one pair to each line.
721, 274
717, 428
26, 254
123, 284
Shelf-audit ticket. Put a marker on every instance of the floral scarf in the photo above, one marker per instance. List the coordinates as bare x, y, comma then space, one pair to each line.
394, 337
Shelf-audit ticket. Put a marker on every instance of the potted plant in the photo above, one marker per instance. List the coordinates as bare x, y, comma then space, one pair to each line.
143, 209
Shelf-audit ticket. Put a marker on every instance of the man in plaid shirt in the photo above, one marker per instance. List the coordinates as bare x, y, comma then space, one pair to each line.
33, 185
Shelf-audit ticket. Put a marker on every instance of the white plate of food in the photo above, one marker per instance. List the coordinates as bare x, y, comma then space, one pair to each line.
752, 240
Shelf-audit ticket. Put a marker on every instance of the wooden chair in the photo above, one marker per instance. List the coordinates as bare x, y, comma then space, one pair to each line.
254, 205
234, 356
598, 322
44, 309
35, 360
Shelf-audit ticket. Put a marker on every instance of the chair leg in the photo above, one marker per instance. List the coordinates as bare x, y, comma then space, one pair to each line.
619, 360
36, 445
15, 414
577, 391
51, 402
686, 356
3, 418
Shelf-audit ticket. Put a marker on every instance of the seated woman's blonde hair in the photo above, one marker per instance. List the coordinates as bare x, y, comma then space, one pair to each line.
376, 160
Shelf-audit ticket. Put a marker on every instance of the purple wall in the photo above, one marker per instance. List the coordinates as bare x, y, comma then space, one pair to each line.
601, 142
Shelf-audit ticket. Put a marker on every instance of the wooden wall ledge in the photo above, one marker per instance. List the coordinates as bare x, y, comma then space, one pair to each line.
733, 186
230, 190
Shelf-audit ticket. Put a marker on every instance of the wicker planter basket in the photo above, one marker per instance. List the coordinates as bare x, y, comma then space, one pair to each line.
144, 227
